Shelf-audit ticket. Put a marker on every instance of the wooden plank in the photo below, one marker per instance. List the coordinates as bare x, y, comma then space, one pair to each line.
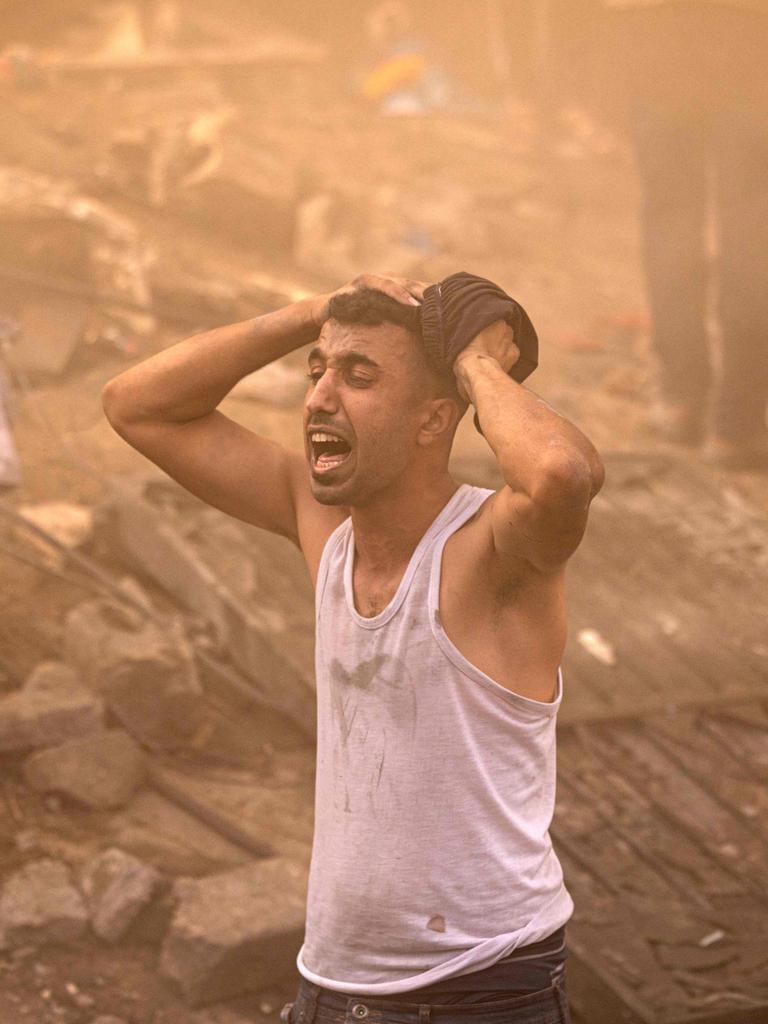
667, 871
687, 626
690, 807
629, 815
695, 747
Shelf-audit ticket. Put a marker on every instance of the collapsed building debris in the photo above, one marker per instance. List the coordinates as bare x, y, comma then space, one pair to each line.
51, 707
235, 932
101, 771
53, 230
40, 903
117, 887
184, 548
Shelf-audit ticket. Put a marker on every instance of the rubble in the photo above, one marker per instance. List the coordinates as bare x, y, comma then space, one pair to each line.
101, 771
78, 250
52, 707
184, 846
71, 524
235, 932
39, 904
143, 668
184, 555
117, 888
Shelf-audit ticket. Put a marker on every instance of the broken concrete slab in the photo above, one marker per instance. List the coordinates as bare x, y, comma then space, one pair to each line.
117, 888
235, 932
184, 846
271, 818
39, 904
102, 771
143, 668
180, 553
69, 523
114, 648
52, 707
52, 229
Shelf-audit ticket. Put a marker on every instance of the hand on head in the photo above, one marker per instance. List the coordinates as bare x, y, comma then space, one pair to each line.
402, 289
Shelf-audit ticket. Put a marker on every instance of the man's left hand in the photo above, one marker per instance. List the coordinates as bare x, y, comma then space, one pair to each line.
497, 342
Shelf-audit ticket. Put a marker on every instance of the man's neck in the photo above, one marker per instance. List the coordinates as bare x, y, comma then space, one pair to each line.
388, 529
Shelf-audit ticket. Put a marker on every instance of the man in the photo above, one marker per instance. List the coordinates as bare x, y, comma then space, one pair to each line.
697, 95
440, 628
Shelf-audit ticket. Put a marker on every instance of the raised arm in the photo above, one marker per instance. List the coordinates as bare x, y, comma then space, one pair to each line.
552, 470
166, 408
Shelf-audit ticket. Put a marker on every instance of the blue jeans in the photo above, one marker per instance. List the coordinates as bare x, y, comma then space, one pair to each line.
315, 1005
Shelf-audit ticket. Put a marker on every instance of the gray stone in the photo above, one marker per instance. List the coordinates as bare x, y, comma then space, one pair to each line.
39, 904
235, 932
117, 887
266, 627
144, 669
101, 771
51, 707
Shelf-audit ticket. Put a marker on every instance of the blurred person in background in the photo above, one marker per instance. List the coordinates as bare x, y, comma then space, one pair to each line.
697, 92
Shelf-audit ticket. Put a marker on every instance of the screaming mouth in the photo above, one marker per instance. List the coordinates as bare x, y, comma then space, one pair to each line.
328, 451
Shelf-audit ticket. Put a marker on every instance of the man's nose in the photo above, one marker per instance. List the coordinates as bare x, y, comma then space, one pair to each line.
323, 395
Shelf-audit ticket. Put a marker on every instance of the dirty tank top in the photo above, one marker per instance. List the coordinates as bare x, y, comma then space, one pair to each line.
434, 793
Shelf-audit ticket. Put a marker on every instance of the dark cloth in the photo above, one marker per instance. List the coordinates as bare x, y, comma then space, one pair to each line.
456, 309
527, 969
698, 106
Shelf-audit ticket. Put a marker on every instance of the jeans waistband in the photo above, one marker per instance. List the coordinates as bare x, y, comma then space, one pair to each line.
313, 1002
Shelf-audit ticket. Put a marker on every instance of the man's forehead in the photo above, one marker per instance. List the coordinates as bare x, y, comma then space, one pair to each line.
382, 343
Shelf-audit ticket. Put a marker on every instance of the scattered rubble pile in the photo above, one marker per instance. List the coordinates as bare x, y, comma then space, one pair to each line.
141, 803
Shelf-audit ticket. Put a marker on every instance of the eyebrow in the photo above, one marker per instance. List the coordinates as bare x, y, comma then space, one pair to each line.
346, 358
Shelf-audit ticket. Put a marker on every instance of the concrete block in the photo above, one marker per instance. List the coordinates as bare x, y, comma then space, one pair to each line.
101, 771
267, 632
144, 670
235, 932
51, 707
117, 888
39, 904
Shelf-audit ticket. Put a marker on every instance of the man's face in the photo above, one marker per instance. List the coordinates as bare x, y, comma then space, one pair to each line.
364, 392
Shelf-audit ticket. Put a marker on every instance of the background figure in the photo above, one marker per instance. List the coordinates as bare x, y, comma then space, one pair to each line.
698, 108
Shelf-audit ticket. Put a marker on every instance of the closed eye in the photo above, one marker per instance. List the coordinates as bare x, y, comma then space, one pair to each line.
358, 382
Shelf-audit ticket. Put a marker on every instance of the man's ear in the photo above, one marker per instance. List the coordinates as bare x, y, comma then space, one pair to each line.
440, 417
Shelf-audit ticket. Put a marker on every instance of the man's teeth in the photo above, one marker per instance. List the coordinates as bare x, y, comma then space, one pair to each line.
326, 437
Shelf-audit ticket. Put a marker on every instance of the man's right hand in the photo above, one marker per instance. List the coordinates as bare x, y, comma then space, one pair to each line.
402, 289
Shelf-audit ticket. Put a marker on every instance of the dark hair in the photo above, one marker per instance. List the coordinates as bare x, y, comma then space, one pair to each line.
372, 307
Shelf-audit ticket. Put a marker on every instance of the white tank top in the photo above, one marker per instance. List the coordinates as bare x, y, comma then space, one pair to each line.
434, 792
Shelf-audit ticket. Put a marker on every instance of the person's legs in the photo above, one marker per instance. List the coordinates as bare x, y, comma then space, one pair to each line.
671, 159
741, 159
665, 84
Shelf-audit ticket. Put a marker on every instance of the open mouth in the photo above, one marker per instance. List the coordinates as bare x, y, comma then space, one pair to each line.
328, 451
